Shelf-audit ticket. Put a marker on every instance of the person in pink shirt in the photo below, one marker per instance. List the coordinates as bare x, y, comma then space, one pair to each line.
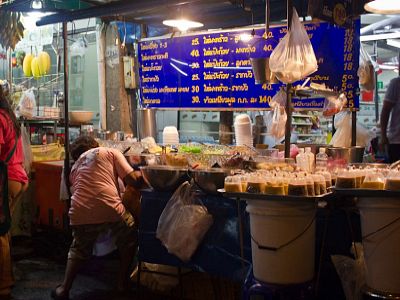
96, 206
10, 148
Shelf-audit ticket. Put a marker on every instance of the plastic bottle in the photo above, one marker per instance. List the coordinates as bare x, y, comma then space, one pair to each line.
300, 159
321, 160
310, 159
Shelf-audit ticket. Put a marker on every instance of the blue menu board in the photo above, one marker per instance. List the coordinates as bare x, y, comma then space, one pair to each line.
211, 70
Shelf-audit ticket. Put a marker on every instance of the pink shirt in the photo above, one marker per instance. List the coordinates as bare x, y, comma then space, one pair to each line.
16, 171
95, 192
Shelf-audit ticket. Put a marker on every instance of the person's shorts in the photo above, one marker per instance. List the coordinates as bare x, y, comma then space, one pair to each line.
85, 237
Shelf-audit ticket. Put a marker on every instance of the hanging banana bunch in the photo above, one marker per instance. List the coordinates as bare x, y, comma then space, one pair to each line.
11, 28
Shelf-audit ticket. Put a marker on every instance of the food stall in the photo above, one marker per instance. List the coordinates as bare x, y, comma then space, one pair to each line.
216, 71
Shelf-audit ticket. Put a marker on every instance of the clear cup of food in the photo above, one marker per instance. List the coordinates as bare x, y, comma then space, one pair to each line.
346, 180
393, 181
298, 187
256, 184
373, 181
233, 184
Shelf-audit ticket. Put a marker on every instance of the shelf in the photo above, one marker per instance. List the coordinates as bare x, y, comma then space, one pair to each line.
301, 116
310, 134
305, 124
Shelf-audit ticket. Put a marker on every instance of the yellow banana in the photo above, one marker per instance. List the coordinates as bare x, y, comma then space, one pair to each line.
26, 65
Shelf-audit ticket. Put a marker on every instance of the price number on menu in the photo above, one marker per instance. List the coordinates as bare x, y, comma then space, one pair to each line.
195, 53
195, 99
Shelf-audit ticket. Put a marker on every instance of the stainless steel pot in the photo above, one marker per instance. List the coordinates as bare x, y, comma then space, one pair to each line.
350, 154
209, 180
164, 178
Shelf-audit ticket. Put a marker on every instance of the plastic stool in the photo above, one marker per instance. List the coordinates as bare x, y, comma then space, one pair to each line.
270, 291
371, 294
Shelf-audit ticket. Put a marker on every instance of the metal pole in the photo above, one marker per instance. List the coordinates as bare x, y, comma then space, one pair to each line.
376, 96
66, 115
288, 128
354, 128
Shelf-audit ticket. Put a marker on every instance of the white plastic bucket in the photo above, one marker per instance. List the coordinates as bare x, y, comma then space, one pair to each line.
380, 227
283, 241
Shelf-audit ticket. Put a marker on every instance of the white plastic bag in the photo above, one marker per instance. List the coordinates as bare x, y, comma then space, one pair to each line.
342, 136
294, 57
27, 104
366, 71
183, 223
26, 148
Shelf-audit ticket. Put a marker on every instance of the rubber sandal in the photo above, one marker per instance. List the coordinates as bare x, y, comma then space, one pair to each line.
54, 295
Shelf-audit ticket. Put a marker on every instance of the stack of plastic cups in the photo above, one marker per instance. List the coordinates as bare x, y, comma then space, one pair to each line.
170, 135
243, 130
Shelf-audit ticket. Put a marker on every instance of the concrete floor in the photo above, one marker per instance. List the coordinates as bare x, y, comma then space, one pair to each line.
39, 264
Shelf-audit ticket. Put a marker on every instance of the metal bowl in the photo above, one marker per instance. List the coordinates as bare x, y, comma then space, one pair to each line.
209, 180
349, 154
164, 178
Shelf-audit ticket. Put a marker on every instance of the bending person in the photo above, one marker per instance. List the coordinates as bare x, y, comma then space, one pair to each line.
96, 207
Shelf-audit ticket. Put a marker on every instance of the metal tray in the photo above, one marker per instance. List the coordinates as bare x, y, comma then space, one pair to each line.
266, 197
367, 193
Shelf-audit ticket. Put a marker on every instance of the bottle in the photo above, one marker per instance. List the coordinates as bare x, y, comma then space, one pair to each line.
300, 159
321, 160
310, 158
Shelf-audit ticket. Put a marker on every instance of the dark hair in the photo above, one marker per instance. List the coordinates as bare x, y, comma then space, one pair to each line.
5, 105
81, 145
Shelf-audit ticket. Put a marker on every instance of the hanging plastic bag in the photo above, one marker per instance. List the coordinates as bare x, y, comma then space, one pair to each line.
294, 57
279, 99
26, 148
183, 223
27, 104
277, 123
366, 71
333, 105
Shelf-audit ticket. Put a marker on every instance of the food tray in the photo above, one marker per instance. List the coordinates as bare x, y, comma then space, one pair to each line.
266, 197
366, 193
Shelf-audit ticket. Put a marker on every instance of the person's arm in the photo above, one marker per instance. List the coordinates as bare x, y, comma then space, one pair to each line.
134, 179
386, 109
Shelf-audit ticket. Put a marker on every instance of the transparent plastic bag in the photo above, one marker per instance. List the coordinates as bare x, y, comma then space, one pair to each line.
27, 104
278, 122
294, 57
26, 148
183, 223
366, 71
279, 99
351, 272
333, 105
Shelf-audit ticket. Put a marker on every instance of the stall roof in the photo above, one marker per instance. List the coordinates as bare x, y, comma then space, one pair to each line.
212, 13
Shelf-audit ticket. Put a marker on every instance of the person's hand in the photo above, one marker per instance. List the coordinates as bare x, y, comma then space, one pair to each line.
384, 140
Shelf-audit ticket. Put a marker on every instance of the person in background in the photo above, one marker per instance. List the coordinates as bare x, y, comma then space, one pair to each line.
390, 135
10, 141
96, 207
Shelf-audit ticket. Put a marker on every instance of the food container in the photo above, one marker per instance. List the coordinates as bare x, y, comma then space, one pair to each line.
348, 154
212, 179
164, 178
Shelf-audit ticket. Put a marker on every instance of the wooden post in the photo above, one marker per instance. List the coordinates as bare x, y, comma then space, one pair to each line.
225, 127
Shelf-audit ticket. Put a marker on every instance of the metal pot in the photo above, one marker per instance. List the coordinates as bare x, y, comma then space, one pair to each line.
353, 154
209, 180
164, 178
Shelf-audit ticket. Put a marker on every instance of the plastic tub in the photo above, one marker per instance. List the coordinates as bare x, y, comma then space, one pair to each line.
381, 241
283, 241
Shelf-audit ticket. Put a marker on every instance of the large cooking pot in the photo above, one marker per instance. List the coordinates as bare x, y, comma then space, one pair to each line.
209, 180
164, 178
353, 154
